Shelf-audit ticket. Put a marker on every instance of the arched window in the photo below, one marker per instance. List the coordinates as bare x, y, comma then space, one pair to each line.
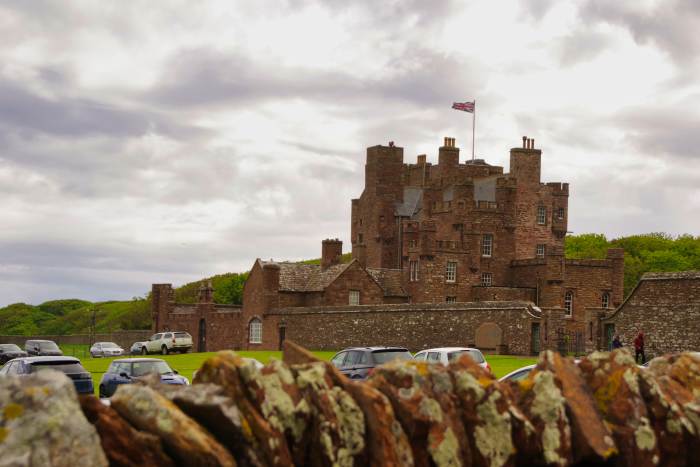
605, 300
255, 331
569, 302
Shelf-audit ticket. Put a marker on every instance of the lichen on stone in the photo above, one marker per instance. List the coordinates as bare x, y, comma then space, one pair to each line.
644, 435
430, 409
444, 452
466, 382
493, 434
548, 406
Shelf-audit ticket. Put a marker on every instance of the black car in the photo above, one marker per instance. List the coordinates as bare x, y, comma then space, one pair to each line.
42, 347
82, 379
128, 370
358, 362
10, 351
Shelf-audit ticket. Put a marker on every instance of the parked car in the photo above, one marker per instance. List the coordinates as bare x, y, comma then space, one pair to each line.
166, 342
82, 379
136, 348
10, 351
126, 370
42, 347
105, 349
445, 355
359, 362
517, 375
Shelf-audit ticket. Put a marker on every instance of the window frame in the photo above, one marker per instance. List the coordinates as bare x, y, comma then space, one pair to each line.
487, 246
353, 297
451, 299
255, 331
561, 213
543, 247
413, 270
569, 303
541, 214
484, 276
451, 271
605, 300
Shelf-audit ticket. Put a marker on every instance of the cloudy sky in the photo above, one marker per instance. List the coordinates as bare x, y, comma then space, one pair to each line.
151, 141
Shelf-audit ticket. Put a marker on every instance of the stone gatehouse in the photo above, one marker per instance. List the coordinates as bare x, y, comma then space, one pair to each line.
439, 251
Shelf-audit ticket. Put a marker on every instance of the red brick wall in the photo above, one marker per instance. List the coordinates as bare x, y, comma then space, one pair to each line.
353, 278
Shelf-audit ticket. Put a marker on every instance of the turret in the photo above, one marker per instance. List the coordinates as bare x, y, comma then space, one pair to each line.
331, 252
162, 300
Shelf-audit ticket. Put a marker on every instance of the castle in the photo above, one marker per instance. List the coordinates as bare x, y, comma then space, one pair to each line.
453, 253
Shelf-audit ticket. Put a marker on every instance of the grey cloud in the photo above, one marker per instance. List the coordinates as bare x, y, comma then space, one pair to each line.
29, 112
205, 78
581, 45
536, 9
672, 26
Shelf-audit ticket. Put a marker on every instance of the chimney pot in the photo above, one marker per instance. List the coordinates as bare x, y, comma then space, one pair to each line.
524, 142
533, 143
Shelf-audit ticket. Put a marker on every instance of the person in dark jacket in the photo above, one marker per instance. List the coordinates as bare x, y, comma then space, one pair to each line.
639, 347
616, 343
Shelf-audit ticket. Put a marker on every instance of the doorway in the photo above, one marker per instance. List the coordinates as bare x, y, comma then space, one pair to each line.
535, 339
609, 333
282, 333
202, 343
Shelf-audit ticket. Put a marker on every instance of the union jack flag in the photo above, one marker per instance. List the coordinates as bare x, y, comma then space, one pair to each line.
463, 106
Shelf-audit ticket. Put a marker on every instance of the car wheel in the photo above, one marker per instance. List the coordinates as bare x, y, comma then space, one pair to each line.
144, 351
164, 350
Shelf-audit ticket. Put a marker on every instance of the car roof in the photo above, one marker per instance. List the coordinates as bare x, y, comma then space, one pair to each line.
449, 349
374, 348
105, 342
39, 340
131, 360
46, 359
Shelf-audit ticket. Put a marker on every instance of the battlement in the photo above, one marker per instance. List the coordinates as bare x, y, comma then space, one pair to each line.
559, 189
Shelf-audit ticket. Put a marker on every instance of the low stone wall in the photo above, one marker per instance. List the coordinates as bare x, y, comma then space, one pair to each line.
300, 411
414, 326
122, 338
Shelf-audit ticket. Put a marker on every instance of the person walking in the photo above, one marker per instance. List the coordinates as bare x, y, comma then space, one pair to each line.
616, 343
639, 347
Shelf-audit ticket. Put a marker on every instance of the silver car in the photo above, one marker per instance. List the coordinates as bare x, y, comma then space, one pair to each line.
105, 349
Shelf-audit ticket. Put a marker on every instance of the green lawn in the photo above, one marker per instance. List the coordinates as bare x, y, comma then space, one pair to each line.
185, 364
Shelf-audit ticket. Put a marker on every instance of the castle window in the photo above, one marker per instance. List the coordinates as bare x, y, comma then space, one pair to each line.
605, 302
560, 213
451, 273
360, 221
451, 299
541, 215
359, 238
354, 297
540, 250
487, 245
413, 270
569, 303
255, 331
411, 243
486, 279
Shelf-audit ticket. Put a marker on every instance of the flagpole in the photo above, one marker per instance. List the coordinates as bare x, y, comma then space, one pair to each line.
473, 128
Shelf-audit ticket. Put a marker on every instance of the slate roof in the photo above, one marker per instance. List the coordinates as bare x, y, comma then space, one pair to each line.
412, 197
671, 275
389, 280
300, 277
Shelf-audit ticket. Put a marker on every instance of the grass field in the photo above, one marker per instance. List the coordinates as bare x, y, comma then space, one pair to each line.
185, 364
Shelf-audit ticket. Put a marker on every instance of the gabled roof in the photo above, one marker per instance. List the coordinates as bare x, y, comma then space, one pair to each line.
389, 280
300, 277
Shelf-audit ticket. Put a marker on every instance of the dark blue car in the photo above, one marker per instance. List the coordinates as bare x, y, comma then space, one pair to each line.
126, 370
82, 379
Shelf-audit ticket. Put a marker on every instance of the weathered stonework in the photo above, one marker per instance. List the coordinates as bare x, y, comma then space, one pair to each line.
418, 233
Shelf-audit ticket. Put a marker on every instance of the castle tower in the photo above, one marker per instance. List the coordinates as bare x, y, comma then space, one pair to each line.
374, 228
162, 300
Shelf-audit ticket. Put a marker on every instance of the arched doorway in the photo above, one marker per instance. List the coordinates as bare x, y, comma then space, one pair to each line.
202, 343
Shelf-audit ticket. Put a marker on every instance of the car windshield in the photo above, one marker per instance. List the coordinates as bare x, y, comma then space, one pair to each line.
522, 374
474, 354
109, 345
65, 367
48, 346
180, 335
383, 356
9, 348
144, 368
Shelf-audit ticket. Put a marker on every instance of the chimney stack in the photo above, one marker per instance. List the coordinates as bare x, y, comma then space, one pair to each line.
331, 252
524, 142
